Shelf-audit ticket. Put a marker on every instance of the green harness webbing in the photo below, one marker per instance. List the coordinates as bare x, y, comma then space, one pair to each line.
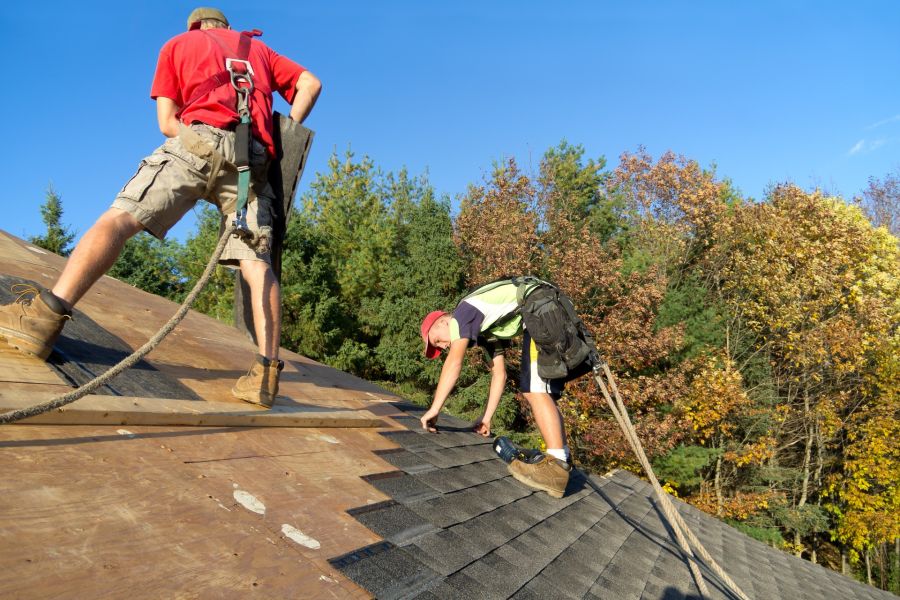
242, 151
239, 73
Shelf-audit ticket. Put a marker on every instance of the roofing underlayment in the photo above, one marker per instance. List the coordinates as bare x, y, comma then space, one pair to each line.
161, 485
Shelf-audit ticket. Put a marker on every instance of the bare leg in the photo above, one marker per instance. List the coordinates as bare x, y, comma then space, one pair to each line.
265, 298
95, 253
547, 418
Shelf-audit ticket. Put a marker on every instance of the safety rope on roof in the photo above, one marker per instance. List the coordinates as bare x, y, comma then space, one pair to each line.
137, 355
683, 534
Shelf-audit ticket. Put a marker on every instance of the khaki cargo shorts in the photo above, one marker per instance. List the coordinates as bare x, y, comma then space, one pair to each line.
169, 182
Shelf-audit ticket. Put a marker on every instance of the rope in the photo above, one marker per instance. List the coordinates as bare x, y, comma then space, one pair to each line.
132, 359
682, 532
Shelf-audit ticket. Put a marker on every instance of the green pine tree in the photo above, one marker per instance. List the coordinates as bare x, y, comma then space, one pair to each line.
217, 299
58, 237
151, 265
425, 273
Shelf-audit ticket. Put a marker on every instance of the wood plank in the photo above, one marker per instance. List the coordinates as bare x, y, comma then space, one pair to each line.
127, 410
20, 368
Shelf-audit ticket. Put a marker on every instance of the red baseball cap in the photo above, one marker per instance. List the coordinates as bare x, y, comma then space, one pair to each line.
431, 352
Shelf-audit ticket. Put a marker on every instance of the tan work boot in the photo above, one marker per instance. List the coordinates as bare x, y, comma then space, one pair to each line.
547, 474
34, 321
260, 384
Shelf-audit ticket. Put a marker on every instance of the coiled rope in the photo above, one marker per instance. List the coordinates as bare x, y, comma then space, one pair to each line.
683, 534
137, 355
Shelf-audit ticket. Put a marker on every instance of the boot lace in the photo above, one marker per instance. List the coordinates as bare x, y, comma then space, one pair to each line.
25, 293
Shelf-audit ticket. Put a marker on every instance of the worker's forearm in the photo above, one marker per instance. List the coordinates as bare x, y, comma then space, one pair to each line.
167, 116
308, 89
449, 374
498, 383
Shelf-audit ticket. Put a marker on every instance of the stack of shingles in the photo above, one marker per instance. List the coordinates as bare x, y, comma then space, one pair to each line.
458, 526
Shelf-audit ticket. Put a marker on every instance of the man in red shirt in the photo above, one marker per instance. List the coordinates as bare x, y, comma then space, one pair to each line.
198, 118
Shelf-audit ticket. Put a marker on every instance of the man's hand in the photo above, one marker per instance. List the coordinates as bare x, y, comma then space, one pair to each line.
166, 111
482, 427
429, 420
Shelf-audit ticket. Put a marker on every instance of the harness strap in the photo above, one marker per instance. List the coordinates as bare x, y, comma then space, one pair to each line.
239, 73
222, 77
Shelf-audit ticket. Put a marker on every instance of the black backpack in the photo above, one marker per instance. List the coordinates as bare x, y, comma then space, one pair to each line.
564, 343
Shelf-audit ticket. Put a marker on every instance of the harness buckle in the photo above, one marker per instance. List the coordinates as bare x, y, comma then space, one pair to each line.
248, 68
240, 224
241, 79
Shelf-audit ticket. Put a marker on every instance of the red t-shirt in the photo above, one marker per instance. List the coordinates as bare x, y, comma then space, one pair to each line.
187, 60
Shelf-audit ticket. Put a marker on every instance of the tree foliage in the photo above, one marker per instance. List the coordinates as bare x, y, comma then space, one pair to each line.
814, 289
881, 201
496, 229
58, 237
151, 265
217, 298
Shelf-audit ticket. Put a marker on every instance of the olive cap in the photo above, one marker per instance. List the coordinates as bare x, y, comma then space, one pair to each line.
198, 14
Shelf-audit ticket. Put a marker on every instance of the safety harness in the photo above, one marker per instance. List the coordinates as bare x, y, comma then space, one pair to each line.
238, 72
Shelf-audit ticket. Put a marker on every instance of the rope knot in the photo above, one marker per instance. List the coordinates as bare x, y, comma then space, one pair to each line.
260, 241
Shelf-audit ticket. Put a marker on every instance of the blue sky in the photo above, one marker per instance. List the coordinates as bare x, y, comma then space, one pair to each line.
768, 91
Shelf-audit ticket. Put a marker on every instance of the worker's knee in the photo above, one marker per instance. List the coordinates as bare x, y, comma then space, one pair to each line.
259, 275
538, 399
119, 223
255, 268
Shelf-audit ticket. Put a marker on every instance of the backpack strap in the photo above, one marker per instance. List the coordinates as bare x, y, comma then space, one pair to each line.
525, 284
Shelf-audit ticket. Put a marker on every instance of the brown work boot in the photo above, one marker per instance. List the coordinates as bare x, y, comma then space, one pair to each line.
547, 474
260, 384
33, 322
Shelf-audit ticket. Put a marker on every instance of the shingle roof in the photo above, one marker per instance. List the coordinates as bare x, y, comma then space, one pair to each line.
458, 526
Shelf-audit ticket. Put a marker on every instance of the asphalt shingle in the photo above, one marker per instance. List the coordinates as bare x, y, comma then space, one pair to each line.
406, 460
460, 527
445, 551
393, 521
402, 487
465, 476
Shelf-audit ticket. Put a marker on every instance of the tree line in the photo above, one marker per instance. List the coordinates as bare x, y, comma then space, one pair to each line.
755, 342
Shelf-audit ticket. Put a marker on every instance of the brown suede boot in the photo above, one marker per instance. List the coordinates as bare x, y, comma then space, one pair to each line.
34, 321
547, 474
260, 384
